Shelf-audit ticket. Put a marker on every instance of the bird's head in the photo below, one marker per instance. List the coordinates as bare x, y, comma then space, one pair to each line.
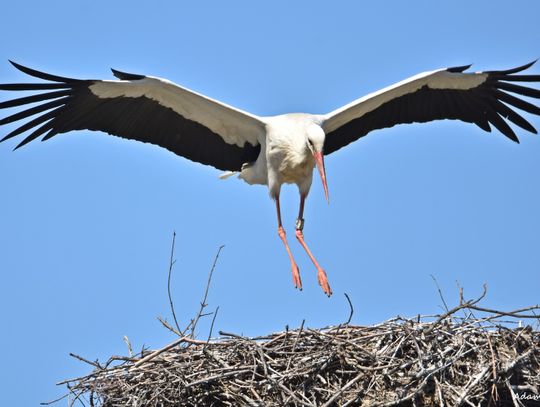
315, 143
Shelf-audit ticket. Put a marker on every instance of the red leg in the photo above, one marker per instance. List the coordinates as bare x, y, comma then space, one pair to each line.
281, 232
321, 274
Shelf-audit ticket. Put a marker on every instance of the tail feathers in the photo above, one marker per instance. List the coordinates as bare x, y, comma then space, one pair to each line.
227, 174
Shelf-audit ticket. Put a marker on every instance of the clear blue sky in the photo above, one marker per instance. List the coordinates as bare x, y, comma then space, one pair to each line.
86, 219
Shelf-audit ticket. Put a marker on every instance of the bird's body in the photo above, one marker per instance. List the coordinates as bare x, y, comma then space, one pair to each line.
265, 150
285, 156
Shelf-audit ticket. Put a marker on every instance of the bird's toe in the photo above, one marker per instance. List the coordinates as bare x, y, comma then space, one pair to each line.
296, 277
323, 282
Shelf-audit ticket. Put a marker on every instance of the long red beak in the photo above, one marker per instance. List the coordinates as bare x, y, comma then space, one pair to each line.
319, 160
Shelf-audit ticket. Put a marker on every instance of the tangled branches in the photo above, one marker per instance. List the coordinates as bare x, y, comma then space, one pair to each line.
438, 360
469, 355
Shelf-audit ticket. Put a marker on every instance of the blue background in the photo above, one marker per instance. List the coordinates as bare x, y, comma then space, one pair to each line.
86, 219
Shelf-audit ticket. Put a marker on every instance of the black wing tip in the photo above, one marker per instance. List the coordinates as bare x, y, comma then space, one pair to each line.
18, 66
458, 69
522, 67
25, 69
43, 75
514, 70
125, 76
22, 143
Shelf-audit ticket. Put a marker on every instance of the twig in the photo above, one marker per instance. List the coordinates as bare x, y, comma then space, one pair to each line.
216, 377
95, 364
158, 352
494, 394
515, 400
172, 261
351, 309
462, 305
171, 345
341, 390
440, 292
193, 324
128, 344
223, 333
48, 403
468, 388
168, 326
212, 325
299, 334
513, 314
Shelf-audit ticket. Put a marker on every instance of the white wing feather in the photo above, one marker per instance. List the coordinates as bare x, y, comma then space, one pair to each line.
233, 125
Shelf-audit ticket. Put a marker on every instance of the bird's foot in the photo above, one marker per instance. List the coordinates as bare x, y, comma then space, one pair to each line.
295, 270
296, 277
321, 274
323, 282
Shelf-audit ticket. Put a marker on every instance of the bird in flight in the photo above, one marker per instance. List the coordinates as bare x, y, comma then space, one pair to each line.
264, 150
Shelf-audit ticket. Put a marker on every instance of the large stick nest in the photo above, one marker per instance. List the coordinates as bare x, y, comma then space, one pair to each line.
444, 360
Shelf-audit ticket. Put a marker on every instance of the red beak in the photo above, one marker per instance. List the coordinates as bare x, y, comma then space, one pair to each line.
319, 160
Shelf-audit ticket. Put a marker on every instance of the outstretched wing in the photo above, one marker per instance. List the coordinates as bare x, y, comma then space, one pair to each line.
481, 98
140, 108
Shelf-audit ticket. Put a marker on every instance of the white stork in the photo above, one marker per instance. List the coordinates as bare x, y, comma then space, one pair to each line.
264, 150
